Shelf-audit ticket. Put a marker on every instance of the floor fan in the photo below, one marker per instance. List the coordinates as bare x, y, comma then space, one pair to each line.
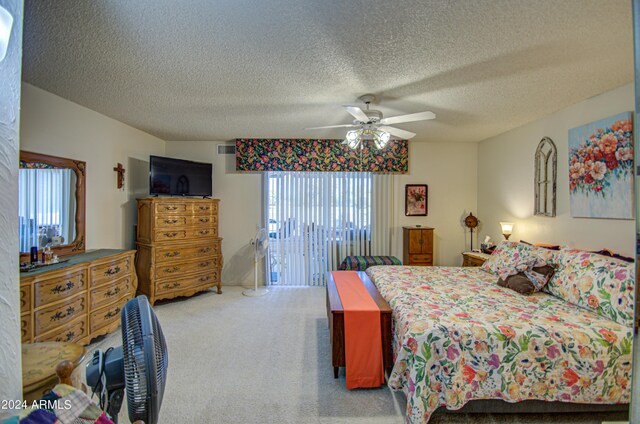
138, 368
260, 244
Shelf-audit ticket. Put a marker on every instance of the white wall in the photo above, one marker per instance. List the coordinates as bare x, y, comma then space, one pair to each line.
55, 126
240, 206
450, 171
506, 172
10, 359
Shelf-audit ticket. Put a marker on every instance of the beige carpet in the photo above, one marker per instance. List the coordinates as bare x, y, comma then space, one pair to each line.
236, 359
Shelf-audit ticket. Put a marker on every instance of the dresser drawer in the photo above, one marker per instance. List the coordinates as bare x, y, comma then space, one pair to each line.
203, 221
421, 259
25, 298
469, 260
179, 269
170, 234
107, 315
110, 271
171, 221
211, 208
169, 208
108, 293
25, 327
60, 314
169, 285
180, 253
59, 288
72, 332
200, 233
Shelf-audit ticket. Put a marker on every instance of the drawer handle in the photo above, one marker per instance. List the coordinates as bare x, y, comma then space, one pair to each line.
61, 289
171, 270
205, 250
204, 232
204, 264
170, 208
111, 293
204, 219
112, 314
170, 221
171, 286
171, 254
61, 315
170, 234
205, 278
68, 337
204, 208
112, 271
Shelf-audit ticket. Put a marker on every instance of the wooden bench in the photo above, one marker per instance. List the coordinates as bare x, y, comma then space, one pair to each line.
335, 314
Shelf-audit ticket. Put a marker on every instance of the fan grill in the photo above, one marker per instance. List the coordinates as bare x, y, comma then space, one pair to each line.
162, 359
144, 380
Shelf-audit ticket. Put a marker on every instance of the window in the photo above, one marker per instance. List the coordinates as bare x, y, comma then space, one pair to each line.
315, 220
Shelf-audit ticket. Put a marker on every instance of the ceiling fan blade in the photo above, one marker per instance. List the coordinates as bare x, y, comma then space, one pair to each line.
405, 135
420, 116
333, 126
357, 113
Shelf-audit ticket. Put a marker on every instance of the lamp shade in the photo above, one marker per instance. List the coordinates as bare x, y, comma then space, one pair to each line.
507, 229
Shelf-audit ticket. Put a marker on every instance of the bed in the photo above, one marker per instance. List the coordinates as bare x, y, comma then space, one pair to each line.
458, 336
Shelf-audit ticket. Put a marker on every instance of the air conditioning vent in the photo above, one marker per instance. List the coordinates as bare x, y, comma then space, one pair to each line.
226, 149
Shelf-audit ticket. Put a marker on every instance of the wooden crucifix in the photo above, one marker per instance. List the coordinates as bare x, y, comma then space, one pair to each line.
120, 170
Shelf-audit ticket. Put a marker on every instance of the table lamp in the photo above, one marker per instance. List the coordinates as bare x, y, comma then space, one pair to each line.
507, 229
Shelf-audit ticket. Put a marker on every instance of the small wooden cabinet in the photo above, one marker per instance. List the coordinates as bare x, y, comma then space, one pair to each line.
417, 246
77, 300
473, 258
179, 251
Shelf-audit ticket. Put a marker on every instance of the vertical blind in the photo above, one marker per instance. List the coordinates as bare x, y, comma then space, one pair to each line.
316, 219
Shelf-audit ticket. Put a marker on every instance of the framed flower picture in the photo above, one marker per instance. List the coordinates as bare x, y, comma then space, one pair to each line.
601, 168
415, 199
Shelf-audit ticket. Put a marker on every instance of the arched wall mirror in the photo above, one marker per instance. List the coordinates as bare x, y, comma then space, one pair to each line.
51, 204
546, 166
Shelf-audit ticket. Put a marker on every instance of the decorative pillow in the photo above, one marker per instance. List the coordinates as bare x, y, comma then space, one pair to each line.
510, 253
529, 275
519, 283
599, 283
506, 256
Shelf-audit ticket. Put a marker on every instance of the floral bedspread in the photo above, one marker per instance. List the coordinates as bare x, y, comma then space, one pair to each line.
458, 336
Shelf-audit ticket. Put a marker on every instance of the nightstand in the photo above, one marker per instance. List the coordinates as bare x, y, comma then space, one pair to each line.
473, 258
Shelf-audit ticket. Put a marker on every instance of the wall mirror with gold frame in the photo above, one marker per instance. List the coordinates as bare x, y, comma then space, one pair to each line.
51, 204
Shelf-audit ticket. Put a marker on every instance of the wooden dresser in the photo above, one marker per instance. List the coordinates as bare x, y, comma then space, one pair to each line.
417, 246
179, 251
77, 300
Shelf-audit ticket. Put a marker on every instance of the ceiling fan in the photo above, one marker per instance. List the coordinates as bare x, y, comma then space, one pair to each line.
370, 124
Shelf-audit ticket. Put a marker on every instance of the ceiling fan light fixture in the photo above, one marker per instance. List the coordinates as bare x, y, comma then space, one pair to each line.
352, 139
381, 139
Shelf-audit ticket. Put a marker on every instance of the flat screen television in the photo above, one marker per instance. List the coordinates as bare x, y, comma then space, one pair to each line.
177, 177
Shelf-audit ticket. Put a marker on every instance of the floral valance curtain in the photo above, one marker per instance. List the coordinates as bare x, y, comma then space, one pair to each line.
260, 155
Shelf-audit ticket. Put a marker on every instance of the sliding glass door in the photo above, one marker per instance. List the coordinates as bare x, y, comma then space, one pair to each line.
315, 220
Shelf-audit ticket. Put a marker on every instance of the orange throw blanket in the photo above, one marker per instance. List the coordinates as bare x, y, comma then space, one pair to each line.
362, 334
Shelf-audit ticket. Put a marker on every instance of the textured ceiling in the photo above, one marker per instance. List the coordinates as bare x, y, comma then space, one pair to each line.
220, 69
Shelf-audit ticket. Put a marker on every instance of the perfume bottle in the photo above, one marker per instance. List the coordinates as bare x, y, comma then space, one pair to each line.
34, 254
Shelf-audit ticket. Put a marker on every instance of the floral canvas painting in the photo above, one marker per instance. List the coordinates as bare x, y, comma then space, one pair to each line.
415, 202
601, 168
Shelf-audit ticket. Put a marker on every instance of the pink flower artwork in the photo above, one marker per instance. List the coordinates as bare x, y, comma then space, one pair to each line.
601, 168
